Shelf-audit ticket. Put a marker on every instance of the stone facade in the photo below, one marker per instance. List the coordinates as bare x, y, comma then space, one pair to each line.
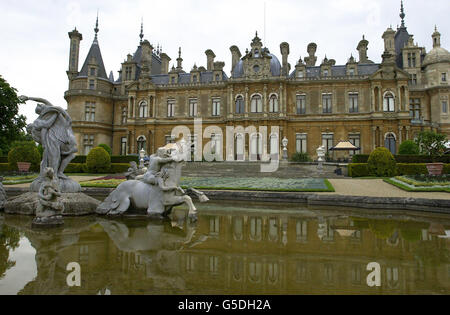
369, 104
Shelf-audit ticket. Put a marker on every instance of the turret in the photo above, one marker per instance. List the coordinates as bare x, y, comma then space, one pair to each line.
75, 39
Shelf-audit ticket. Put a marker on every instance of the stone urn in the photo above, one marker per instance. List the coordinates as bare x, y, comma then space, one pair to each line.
23, 167
435, 169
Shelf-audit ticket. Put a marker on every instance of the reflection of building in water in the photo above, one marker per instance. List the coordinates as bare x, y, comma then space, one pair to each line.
247, 253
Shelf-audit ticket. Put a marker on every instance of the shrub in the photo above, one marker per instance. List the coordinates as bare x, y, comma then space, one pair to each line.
360, 158
117, 168
358, 170
98, 161
446, 169
79, 159
24, 152
411, 169
300, 157
4, 167
124, 159
74, 168
408, 147
381, 163
106, 147
3, 159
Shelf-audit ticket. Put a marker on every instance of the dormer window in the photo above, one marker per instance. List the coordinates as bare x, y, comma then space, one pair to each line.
325, 73
217, 77
389, 103
351, 72
194, 79
300, 74
256, 53
92, 72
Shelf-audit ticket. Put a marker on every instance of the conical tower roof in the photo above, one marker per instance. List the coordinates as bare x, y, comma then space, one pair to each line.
94, 56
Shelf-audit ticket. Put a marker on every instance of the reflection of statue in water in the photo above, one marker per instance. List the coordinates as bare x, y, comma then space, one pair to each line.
53, 129
156, 192
50, 208
2, 194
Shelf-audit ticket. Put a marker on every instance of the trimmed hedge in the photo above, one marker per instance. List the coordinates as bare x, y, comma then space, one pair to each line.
119, 168
361, 169
114, 159
98, 161
3, 159
4, 167
358, 170
79, 168
74, 168
363, 158
25, 152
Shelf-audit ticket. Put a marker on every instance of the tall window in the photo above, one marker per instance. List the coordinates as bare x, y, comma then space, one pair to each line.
301, 104
89, 111
193, 107
256, 104
88, 143
444, 77
390, 143
124, 116
444, 107
351, 72
300, 74
327, 141
123, 145
194, 79
273, 104
240, 106
414, 108
171, 108
325, 73
389, 103
300, 143
143, 109
128, 73
216, 107
91, 84
217, 77
92, 72
142, 143
411, 60
355, 139
413, 79
327, 103
353, 102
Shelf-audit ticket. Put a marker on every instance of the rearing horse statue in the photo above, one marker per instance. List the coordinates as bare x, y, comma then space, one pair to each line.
158, 191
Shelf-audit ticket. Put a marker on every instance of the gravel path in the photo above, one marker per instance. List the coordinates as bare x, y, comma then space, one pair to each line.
377, 188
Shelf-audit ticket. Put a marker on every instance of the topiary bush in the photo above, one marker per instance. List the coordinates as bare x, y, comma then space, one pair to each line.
358, 170
300, 157
24, 152
381, 163
98, 161
106, 147
408, 147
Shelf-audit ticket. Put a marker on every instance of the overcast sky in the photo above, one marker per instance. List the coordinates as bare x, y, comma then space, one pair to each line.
34, 47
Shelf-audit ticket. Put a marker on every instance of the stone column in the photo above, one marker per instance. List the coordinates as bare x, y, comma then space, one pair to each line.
407, 132
380, 100
372, 100
154, 106
246, 101
265, 107
374, 138
400, 131
231, 102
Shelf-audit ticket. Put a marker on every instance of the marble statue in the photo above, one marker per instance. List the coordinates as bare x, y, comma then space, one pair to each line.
2, 194
321, 157
53, 129
134, 171
156, 192
50, 207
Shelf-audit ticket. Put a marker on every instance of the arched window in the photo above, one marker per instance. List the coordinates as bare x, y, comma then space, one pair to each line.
273, 104
389, 102
143, 109
256, 104
240, 105
142, 143
390, 143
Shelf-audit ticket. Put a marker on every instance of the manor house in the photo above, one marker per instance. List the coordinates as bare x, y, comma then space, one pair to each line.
312, 103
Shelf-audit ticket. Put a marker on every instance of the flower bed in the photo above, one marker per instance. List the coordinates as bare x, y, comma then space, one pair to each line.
421, 183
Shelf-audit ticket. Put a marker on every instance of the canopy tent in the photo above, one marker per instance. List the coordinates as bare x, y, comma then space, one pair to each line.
344, 146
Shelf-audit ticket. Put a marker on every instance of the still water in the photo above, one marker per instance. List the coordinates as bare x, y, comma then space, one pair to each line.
233, 249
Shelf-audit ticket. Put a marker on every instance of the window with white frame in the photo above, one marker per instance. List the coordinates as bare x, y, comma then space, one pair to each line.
240, 106
171, 108
301, 104
123, 145
353, 103
256, 105
413, 79
327, 103
89, 111
327, 141
301, 142
216, 107
273, 104
389, 102
88, 143
143, 109
355, 139
444, 107
193, 107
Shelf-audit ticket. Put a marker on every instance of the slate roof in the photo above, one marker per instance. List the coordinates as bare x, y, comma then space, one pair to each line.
401, 38
275, 67
340, 71
95, 53
185, 78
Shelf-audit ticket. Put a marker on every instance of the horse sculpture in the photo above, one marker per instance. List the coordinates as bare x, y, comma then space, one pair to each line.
159, 197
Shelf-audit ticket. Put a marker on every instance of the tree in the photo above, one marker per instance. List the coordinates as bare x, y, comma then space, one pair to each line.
431, 143
409, 147
11, 123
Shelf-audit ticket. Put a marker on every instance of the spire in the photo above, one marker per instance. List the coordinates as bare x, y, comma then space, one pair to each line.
142, 30
402, 14
96, 29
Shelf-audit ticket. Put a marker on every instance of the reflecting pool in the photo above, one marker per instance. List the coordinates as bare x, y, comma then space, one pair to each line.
239, 248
